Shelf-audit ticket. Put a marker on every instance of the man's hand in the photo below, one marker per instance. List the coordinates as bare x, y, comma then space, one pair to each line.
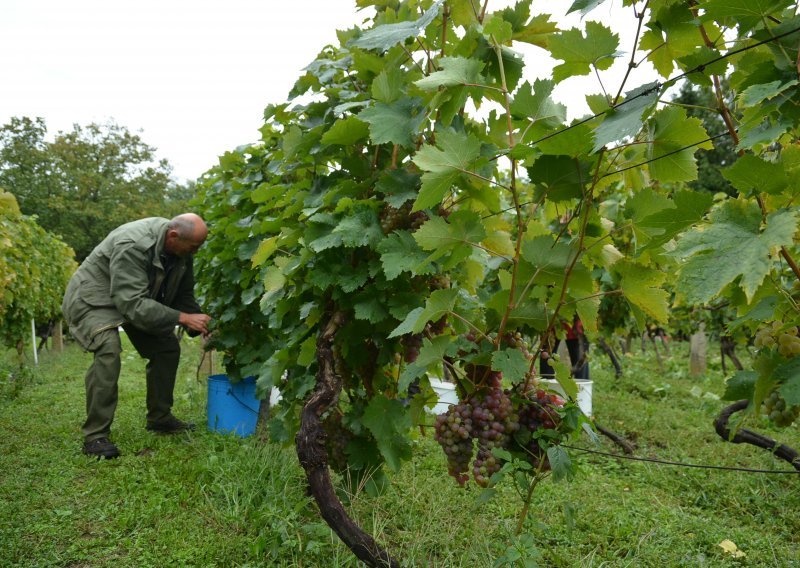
195, 322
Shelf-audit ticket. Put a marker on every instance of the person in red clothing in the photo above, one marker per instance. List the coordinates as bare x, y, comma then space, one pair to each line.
577, 346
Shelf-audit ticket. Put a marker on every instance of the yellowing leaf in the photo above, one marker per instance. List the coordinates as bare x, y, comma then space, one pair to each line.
499, 242
730, 548
264, 251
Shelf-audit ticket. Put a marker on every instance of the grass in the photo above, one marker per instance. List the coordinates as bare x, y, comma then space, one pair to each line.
204, 499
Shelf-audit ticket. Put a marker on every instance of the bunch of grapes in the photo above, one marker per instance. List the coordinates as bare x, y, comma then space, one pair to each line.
488, 419
437, 327
494, 422
412, 343
786, 339
778, 411
439, 282
393, 218
416, 219
453, 431
516, 340
539, 410
337, 437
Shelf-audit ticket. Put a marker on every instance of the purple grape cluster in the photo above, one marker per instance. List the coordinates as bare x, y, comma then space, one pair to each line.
453, 431
412, 343
488, 419
393, 218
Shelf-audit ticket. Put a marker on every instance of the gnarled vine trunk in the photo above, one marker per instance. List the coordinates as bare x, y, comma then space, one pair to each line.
608, 350
314, 457
744, 436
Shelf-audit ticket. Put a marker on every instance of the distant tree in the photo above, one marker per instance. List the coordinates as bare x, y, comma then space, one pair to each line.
701, 103
86, 181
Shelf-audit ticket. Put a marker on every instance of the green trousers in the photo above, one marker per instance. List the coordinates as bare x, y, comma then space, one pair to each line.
162, 353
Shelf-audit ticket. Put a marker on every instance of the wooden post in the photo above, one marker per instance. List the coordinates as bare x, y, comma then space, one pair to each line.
58, 337
33, 342
697, 352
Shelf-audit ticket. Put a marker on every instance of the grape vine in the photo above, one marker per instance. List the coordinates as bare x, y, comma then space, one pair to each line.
34, 269
448, 214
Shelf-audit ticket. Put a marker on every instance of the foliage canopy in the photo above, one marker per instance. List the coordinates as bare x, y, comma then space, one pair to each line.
419, 179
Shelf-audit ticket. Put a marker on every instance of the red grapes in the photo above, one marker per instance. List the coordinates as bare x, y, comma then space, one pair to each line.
489, 418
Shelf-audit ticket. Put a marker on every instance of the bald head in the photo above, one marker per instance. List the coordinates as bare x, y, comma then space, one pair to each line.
185, 234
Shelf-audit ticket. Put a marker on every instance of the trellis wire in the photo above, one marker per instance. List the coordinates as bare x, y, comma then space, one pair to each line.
682, 464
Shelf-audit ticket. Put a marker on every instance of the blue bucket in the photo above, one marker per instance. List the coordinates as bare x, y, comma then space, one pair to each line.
232, 407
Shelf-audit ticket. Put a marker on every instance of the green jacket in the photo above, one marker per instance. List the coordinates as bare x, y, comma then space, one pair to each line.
120, 281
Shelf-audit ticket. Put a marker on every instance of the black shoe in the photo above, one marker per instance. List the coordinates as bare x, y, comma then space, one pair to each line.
101, 448
170, 426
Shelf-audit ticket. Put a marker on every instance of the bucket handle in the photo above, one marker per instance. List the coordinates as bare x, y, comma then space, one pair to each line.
230, 392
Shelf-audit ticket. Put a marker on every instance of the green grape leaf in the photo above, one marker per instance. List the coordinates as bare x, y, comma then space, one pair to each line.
659, 55
463, 227
640, 286
687, 208
759, 127
408, 324
790, 390
456, 236
434, 350
535, 104
740, 385
560, 463
308, 352
751, 174
584, 6
675, 139
361, 228
788, 376
626, 119
575, 142
443, 164
500, 30
435, 186
512, 363
395, 123
747, 13
400, 253
455, 71
462, 12
386, 36
597, 49
398, 186
410, 372
700, 58
440, 303
265, 250
388, 421
537, 31
371, 310
731, 246
346, 131
562, 177
388, 86
756, 94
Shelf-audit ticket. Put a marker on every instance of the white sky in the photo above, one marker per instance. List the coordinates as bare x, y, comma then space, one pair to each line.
192, 77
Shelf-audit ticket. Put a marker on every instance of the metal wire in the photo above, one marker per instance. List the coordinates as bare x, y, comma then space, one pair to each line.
681, 464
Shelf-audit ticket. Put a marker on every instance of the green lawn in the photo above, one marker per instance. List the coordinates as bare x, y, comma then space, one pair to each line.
204, 499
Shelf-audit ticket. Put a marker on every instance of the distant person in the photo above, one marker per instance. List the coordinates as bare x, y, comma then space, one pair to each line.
577, 347
140, 277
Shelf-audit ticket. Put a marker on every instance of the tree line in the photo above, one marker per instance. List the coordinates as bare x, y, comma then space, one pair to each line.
83, 183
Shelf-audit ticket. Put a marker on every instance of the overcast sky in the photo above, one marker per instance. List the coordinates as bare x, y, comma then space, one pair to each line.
191, 76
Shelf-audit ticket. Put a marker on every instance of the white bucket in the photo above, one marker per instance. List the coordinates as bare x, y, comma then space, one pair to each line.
446, 393
584, 393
